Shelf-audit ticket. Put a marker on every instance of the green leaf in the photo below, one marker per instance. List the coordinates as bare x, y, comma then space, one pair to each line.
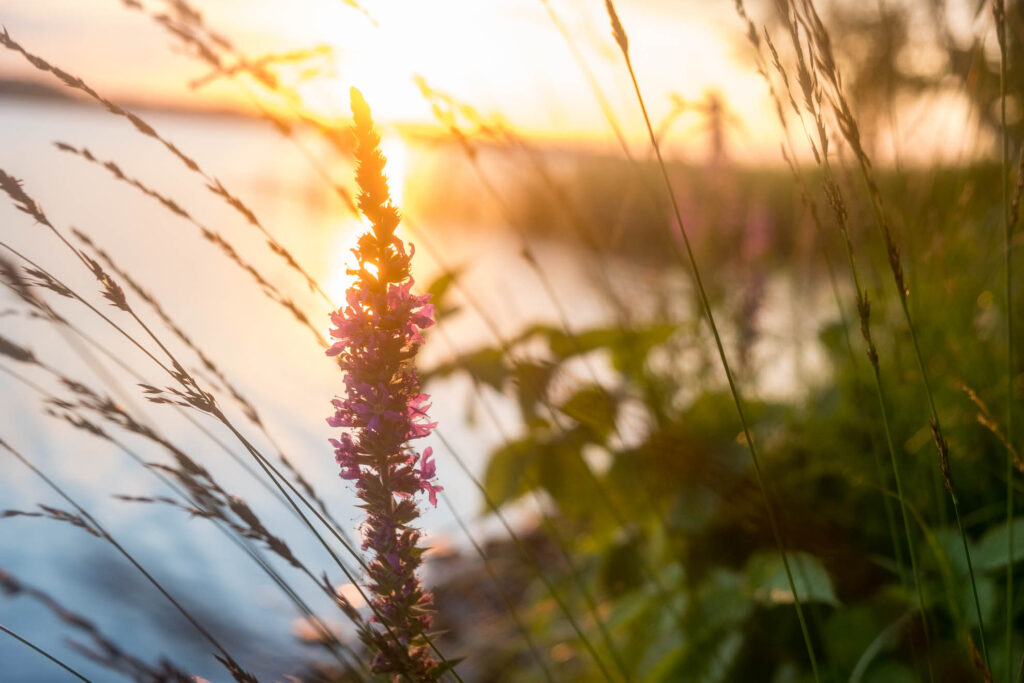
486, 365
555, 465
768, 584
564, 345
448, 665
706, 662
627, 611
564, 475
505, 479
721, 603
887, 638
988, 599
438, 290
948, 540
990, 552
707, 651
632, 347
852, 636
592, 407
532, 380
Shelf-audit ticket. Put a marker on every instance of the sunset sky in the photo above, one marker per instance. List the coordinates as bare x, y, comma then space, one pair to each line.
501, 56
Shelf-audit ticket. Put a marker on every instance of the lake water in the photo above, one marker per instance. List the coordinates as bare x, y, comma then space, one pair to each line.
274, 362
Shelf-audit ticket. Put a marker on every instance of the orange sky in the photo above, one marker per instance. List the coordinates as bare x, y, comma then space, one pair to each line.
502, 56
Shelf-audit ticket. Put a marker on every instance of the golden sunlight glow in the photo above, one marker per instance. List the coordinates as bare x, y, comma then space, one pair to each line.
476, 52
347, 233
341, 259
396, 153
506, 57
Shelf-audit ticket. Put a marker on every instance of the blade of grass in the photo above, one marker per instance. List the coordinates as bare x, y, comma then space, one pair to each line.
230, 662
825, 64
623, 43
44, 653
835, 199
789, 154
196, 396
999, 15
529, 556
242, 543
506, 600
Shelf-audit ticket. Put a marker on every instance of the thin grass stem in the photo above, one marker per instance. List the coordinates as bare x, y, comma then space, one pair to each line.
559, 600
999, 14
513, 612
706, 305
242, 543
128, 556
44, 653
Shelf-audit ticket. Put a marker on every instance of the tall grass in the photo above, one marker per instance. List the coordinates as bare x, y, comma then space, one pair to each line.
999, 16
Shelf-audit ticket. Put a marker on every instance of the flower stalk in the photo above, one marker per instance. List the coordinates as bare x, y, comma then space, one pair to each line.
378, 332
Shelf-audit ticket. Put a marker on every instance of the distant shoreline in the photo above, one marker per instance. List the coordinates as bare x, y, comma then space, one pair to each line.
29, 90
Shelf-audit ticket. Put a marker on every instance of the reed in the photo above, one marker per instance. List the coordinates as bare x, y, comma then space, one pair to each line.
999, 17
812, 98
623, 42
824, 62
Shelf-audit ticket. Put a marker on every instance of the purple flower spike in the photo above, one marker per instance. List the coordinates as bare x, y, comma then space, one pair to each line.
378, 333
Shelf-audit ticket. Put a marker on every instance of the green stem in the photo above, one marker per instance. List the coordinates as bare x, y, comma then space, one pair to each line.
734, 390
848, 124
559, 600
940, 442
883, 406
999, 8
509, 604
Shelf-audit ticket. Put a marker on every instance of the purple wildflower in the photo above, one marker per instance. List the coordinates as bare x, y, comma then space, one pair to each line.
378, 332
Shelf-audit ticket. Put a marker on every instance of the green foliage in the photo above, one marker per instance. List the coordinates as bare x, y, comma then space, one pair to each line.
669, 523
766, 580
439, 291
990, 552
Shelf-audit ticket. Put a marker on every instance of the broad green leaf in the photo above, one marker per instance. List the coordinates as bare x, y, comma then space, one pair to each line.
768, 584
709, 661
632, 347
593, 407
564, 475
439, 289
531, 381
486, 365
505, 478
991, 551
948, 539
988, 599
564, 345
554, 465
720, 603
